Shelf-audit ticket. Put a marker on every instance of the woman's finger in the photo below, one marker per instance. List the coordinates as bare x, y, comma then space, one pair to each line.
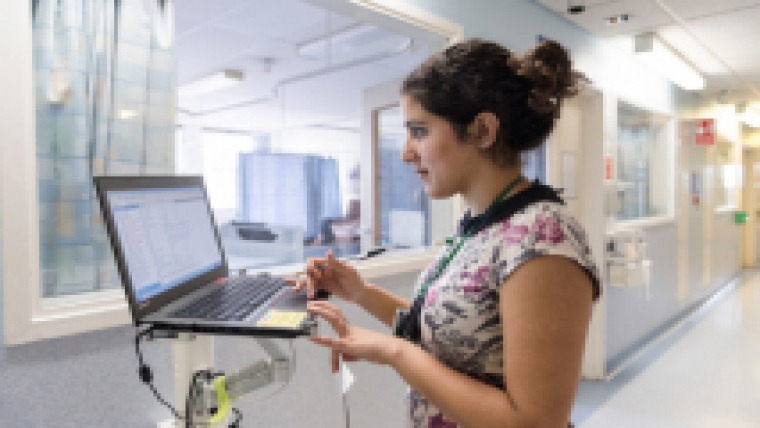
314, 266
295, 283
329, 308
334, 343
333, 264
335, 361
334, 319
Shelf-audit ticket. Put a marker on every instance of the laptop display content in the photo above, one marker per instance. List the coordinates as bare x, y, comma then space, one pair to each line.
166, 236
173, 268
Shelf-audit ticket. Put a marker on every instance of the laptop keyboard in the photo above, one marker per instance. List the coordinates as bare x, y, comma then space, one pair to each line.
233, 302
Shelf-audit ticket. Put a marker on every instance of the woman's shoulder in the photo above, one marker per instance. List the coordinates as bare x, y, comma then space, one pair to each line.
539, 217
543, 228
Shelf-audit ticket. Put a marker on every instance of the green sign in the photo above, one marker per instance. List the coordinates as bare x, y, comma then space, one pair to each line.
740, 217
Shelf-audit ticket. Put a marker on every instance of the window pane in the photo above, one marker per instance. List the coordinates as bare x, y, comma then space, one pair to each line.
104, 105
642, 164
404, 204
281, 149
534, 163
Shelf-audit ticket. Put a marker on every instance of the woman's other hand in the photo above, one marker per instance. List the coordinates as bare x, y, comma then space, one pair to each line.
330, 274
353, 342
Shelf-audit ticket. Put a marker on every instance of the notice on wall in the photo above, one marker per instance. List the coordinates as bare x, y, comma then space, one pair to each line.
608, 167
705, 132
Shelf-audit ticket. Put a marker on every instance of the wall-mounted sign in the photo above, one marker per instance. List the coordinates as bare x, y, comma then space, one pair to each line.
705, 132
608, 167
740, 217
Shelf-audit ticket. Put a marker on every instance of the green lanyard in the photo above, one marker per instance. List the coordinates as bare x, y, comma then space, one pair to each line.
450, 256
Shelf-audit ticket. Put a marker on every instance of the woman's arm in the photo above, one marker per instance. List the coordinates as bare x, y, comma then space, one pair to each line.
381, 303
545, 311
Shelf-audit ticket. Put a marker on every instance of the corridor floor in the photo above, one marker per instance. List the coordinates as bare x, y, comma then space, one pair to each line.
705, 374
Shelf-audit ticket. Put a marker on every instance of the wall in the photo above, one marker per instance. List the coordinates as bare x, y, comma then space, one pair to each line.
692, 256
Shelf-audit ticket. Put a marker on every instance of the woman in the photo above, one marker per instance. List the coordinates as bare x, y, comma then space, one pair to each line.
495, 332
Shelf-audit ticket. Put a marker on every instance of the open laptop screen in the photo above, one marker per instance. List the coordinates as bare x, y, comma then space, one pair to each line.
167, 237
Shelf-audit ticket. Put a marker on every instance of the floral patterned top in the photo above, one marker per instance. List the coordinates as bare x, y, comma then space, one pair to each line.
460, 322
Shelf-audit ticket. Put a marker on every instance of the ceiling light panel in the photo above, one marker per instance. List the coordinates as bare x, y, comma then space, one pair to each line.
650, 50
211, 83
682, 41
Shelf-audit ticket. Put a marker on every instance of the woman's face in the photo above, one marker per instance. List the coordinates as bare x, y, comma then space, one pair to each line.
442, 161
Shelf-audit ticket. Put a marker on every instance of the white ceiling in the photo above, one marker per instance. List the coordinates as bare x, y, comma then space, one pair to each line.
244, 34
723, 43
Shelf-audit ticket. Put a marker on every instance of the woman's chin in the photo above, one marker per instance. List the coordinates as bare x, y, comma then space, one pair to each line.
434, 193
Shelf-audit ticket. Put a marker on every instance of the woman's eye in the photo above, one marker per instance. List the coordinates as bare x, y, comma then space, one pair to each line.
417, 132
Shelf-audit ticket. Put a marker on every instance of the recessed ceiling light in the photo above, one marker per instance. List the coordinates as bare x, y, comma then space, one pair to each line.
127, 114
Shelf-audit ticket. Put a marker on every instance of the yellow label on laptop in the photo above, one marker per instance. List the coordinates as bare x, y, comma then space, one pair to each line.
277, 318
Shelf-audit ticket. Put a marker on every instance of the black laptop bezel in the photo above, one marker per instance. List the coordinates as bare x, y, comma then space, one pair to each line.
105, 184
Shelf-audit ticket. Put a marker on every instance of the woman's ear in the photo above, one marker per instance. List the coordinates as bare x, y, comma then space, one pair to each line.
484, 129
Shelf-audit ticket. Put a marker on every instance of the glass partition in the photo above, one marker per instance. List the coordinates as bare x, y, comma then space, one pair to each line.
643, 163
104, 79
282, 147
404, 205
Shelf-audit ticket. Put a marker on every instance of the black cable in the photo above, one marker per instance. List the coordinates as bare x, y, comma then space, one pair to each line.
146, 375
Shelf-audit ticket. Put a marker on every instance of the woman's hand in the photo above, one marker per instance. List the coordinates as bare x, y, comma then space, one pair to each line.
331, 274
353, 342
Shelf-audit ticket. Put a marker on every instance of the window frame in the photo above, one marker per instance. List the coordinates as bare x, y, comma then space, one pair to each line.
28, 317
668, 136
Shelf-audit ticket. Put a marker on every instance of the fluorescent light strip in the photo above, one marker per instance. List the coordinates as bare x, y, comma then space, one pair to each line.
212, 83
750, 118
654, 53
317, 45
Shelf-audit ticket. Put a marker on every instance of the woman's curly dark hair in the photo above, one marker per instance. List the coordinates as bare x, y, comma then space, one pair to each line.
524, 92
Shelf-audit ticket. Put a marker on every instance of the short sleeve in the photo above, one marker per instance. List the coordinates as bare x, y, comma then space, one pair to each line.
541, 230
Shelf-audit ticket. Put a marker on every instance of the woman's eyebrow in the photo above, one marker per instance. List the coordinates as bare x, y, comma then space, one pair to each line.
411, 123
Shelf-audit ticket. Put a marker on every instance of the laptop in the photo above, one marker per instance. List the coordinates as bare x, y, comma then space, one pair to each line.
172, 265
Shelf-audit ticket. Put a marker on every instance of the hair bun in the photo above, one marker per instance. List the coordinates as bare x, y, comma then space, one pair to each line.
548, 66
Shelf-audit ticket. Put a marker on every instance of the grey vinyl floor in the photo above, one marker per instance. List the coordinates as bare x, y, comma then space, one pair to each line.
705, 374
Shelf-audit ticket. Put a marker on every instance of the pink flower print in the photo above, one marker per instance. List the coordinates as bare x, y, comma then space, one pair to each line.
430, 267
438, 421
432, 293
514, 233
548, 230
474, 286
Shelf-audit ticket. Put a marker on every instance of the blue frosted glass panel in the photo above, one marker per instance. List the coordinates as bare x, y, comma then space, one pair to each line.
98, 65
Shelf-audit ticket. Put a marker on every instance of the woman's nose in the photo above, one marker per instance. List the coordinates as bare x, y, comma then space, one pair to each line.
407, 154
